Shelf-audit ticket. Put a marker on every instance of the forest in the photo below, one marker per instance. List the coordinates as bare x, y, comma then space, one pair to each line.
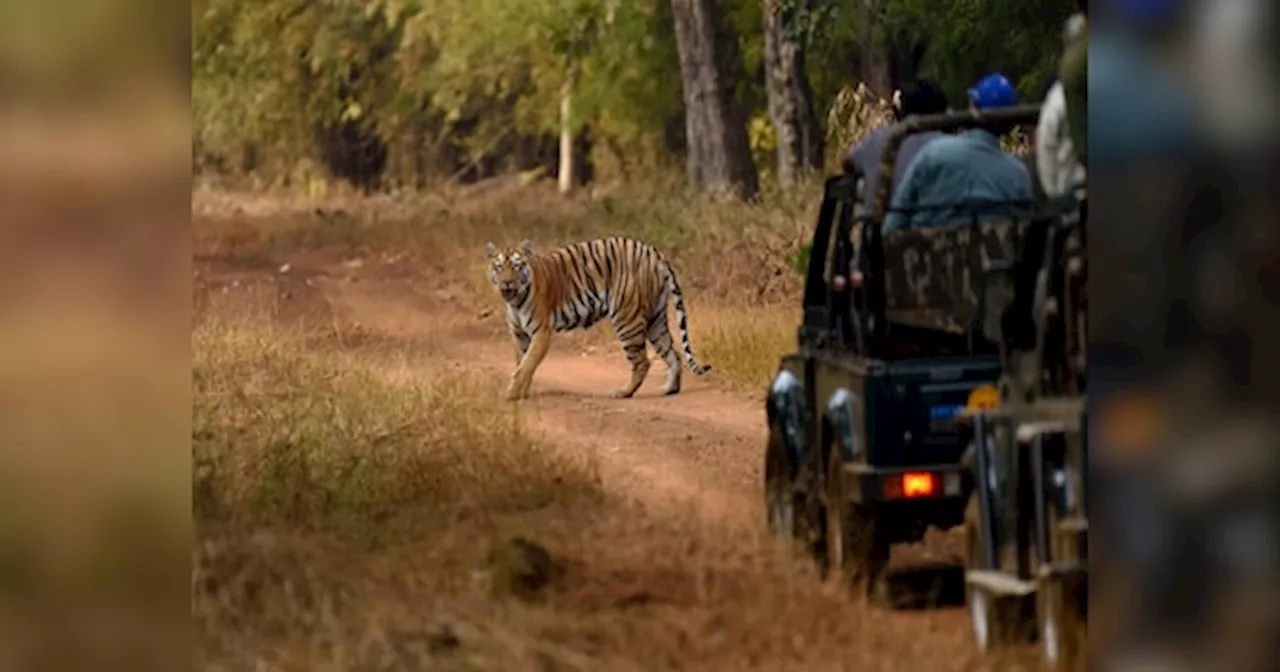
405, 94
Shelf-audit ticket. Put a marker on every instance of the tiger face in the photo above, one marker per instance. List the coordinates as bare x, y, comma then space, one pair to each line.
509, 270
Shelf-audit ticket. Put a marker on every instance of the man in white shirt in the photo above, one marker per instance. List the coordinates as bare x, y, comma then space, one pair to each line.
1056, 162
1057, 165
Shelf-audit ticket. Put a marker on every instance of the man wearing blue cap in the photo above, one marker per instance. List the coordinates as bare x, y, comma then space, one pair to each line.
952, 175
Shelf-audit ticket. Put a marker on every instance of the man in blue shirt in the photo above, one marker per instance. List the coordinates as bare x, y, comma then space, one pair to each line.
922, 97
957, 176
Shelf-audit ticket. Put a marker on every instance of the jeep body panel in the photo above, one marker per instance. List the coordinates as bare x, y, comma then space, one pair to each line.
887, 414
912, 407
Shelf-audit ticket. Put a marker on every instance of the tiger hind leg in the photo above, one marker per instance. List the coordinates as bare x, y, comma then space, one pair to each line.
659, 335
633, 346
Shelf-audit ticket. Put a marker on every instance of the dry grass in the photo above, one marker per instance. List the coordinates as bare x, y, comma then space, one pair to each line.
306, 455
346, 513
744, 343
345, 519
312, 438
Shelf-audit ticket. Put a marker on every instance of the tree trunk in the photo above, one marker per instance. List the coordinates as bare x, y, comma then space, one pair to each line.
876, 73
875, 62
584, 147
800, 141
715, 127
565, 173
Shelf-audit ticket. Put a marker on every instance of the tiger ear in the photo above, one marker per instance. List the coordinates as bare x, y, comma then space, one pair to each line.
526, 246
489, 249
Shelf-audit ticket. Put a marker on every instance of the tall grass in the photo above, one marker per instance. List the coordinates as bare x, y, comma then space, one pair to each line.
303, 436
745, 343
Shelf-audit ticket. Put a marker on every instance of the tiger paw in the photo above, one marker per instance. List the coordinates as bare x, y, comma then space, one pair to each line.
514, 393
621, 394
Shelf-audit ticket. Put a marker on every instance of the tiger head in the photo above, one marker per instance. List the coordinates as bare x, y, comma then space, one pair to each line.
509, 270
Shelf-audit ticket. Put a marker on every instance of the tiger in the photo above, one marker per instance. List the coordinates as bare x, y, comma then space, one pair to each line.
576, 286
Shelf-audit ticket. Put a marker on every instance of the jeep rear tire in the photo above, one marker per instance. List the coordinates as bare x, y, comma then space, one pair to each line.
857, 552
780, 503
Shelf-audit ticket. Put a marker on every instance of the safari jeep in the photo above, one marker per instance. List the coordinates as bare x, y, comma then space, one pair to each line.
867, 447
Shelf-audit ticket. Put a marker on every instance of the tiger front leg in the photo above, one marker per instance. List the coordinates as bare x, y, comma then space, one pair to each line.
522, 378
522, 343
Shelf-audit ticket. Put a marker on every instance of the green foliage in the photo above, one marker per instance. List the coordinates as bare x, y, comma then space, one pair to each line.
804, 20
975, 37
446, 81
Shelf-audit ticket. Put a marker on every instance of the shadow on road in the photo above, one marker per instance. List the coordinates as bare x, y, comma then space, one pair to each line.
925, 586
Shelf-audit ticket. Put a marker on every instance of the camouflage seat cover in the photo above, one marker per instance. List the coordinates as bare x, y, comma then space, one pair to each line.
935, 277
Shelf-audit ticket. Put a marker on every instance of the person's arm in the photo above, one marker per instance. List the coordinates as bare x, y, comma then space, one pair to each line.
906, 194
1048, 140
859, 155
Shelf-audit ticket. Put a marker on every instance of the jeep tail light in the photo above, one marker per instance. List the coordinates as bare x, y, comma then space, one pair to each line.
918, 485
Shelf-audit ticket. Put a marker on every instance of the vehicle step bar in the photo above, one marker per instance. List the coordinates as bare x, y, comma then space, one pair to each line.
1074, 524
1061, 569
999, 583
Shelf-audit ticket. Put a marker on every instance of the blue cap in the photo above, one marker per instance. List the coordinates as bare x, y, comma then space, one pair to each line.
994, 90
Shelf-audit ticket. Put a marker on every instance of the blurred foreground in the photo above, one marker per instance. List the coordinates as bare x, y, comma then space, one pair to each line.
1183, 352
